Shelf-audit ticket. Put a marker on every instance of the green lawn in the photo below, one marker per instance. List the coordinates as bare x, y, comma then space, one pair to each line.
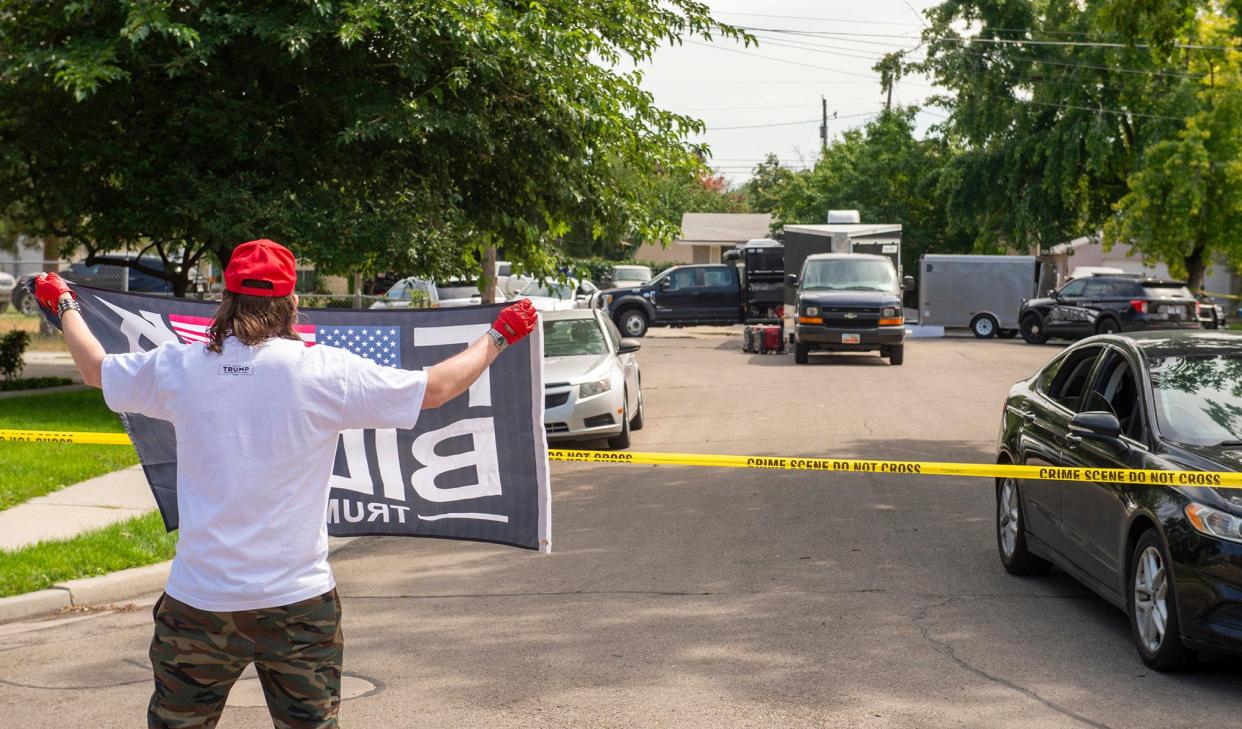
34, 469
131, 543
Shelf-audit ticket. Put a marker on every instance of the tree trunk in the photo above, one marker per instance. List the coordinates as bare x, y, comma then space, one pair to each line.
1196, 267
489, 276
180, 284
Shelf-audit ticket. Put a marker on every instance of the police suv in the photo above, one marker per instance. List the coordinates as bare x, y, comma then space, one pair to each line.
1106, 304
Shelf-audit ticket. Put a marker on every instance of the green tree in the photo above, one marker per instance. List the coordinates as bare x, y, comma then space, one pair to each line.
1184, 203
883, 171
1089, 121
410, 134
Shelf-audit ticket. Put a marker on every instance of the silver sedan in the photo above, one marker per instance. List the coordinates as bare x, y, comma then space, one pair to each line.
593, 387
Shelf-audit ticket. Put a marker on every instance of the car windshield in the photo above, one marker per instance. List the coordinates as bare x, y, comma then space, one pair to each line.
457, 290
849, 275
408, 290
573, 337
640, 275
551, 290
1199, 398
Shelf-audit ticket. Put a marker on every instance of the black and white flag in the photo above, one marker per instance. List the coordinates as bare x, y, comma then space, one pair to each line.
475, 468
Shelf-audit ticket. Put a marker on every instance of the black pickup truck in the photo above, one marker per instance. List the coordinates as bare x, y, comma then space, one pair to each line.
712, 293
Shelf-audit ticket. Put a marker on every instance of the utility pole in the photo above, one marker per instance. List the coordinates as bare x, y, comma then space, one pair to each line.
823, 126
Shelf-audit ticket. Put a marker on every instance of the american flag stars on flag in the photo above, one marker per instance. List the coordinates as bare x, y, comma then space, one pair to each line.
381, 345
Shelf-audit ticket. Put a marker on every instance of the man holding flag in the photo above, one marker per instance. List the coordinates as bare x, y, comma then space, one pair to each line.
257, 414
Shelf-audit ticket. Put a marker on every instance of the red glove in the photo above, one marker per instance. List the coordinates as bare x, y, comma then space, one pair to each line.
516, 321
49, 287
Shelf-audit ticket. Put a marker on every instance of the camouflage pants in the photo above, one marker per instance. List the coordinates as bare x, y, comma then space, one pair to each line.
197, 656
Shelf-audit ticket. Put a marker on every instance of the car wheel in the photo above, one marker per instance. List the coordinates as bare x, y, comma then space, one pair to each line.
1154, 622
633, 322
1011, 533
621, 440
1032, 328
897, 354
636, 423
984, 326
801, 351
1007, 333
1107, 325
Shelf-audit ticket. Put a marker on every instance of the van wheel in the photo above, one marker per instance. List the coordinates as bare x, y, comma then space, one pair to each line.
1032, 327
1152, 605
633, 322
800, 352
897, 354
984, 326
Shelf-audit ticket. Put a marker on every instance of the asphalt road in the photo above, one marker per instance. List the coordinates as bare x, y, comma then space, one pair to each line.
680, 597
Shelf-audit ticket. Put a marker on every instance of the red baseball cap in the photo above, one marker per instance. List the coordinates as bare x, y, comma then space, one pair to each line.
261, 268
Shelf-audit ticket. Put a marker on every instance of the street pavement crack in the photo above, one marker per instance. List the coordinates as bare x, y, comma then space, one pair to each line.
946, 649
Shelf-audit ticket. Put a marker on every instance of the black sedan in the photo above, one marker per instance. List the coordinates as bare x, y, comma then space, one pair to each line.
1170, 556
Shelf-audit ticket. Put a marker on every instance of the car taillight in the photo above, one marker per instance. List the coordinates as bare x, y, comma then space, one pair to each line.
1139, 306
1198, 309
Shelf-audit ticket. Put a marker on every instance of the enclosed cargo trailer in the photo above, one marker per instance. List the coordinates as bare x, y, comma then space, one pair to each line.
980, 293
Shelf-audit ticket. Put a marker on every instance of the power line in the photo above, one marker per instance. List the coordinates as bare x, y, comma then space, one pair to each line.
912, 25
977, 39
815, 47
826, 20
782, 60
792, 123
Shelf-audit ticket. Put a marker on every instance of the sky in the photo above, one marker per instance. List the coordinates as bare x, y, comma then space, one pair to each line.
782, 80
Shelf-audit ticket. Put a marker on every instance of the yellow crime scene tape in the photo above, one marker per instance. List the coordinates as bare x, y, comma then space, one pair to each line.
1230, 480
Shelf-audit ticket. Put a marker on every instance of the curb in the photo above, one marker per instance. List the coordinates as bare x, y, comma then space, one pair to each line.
101, 590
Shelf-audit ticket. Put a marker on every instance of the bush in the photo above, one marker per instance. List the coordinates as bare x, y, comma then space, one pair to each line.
12, 349
33, 383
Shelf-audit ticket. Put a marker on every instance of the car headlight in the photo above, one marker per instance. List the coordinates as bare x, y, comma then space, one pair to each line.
590, 389
1214, 522
812, 311
890, 312
607, 299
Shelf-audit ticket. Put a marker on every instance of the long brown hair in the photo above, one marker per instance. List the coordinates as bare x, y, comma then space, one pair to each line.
253, 319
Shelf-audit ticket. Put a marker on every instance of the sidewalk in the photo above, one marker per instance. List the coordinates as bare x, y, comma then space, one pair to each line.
91, 504
50, 364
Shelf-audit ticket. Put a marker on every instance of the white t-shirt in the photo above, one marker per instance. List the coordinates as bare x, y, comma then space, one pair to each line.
257, 431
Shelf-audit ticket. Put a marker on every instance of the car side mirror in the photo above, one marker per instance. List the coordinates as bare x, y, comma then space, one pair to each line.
628, 346
665, 284
1096, 426
907, 283
1052, 293
791, 279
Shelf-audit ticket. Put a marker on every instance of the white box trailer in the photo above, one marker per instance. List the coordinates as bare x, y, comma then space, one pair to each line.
800, 241
980, 293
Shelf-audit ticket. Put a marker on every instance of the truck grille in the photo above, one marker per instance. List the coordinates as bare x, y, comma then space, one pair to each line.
844, 317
